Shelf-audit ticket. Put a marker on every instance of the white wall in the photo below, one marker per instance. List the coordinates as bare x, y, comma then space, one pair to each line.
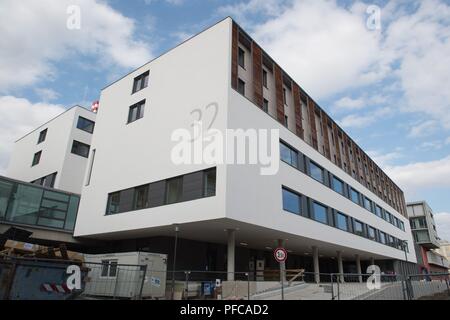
257, 199
188, 77
56, 152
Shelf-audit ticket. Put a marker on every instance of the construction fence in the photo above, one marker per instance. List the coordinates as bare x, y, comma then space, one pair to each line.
41, 279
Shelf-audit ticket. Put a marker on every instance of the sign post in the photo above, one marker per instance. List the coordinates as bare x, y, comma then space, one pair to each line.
280, 255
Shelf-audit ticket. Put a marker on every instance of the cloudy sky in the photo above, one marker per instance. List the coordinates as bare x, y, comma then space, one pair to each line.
389, 87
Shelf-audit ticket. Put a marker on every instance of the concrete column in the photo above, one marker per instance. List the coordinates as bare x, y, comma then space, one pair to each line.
282, 264
358, 267
231, 254
372, 261
316, 264
340, 266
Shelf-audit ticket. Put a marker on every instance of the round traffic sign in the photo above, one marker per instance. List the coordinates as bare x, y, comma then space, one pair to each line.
280, 254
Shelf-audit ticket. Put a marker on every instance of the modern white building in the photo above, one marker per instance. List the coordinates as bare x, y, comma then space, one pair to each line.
329, 204
55, 154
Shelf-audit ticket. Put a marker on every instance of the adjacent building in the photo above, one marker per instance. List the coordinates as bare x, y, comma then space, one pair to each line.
444, 249
329, 204
426, 239
56, 153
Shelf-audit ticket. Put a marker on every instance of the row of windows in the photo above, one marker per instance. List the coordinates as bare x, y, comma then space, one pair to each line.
188, 187
301, 205
304, 164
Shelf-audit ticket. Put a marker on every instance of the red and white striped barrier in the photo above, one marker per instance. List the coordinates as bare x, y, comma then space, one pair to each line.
58, 288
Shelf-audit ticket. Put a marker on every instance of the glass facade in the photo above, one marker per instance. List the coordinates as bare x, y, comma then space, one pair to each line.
291, 202
338, 185
320, 213
29, 204
342, 222
316, 172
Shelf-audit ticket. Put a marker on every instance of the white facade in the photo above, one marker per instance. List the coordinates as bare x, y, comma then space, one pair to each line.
56, 156
189, 77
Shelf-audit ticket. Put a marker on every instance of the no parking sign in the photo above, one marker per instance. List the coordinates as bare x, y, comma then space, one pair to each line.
280, 255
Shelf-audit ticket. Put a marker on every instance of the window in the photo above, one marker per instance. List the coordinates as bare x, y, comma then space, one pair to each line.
136, 111
264, 78
174, 190
241, 57
210, 183
421, 236
113, 203
109, 269
241, 87
80, 148
402, 225
291, 202
141, 82
342, 222
316, 172
285, 120
358, 228
47, 181
42, 136
354, 196
338, 185
284, 96
288, 155
85, 124
320, 213
396, 222
382, 237
266, 105
388, 217
367, 204
36, 158
140, 197
371, 233
378, 211
391, 241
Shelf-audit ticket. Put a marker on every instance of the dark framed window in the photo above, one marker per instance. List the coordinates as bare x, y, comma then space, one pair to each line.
80, 148
264, 78
113, 203
136, 111
291, 201
174, 190
42, 136
338, 185
286, 120
85, 124
36, 158
371, 233
382, 237
141, 81
284, 96
354, 195
320, 213
358, 228
288, 155
402, 225
47, 181
109, 269
140, 197
378, 211
389, 217
316, 172
266, 105
241, 87
209, 184
241, 57
342, 221
367, 203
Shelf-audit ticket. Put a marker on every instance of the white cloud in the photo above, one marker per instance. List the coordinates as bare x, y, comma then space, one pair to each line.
348, 103
425, 128
46, 94
35, 36
18, 117
443, 225
421, 175
384, 159
447, 141
361, 121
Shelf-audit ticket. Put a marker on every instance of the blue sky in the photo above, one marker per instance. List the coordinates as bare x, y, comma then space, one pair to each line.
389, 88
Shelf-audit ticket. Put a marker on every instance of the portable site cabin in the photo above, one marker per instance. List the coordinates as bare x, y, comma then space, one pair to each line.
124, 275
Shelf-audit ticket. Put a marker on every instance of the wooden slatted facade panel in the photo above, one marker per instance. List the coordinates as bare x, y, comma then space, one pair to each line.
326, 138
279, 93
234, 56
298, 111
337, 146
257, 75
347, 153
312, 123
